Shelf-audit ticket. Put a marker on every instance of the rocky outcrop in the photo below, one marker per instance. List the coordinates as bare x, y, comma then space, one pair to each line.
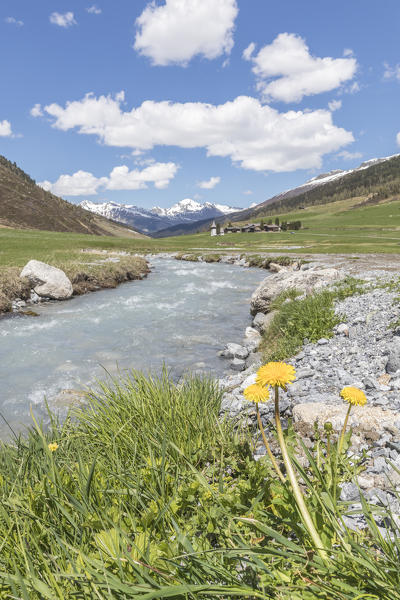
47, 281
306, 280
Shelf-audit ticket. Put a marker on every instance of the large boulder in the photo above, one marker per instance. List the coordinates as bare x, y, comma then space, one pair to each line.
304, 281
47, 281
368, 422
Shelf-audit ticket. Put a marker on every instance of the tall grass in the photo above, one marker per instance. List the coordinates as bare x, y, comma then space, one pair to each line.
150, 495
311, 317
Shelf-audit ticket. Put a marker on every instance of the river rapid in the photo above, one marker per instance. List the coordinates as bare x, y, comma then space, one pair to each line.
180, 316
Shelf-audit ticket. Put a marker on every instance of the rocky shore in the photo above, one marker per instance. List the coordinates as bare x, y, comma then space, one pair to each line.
364, 351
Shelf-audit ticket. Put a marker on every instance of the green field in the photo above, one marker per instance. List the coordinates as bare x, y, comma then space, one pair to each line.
332, 228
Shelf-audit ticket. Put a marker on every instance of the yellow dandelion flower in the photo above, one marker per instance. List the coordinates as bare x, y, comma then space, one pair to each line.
256, 393
53, 446
276, 374
354, 396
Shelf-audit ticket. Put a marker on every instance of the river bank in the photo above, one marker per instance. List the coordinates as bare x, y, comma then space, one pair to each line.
147, 492
362, 350
90, 271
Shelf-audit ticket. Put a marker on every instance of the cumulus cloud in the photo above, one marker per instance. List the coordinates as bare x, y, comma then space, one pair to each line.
335, 105
178, 30
36, 111
83, 183
398, 139
80, 183
209, 184
94, 10
253, 135
158, 173
62, 19
286, 71
5, 129
391, 72
13, 21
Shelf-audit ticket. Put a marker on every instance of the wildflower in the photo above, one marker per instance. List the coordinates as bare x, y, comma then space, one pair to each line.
353, 396
256, 393
276, 374
53, 446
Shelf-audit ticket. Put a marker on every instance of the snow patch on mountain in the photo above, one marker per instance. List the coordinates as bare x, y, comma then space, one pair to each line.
157, 218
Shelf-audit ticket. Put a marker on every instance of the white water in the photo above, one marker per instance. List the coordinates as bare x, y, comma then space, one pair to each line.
181, 315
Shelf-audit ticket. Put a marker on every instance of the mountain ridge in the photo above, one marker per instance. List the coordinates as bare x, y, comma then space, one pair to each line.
25, 205
376, 178
150, 221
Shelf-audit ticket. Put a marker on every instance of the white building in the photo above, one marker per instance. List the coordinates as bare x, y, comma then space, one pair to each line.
213, 228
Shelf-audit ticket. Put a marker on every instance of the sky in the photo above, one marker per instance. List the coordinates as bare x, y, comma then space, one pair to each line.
225, 101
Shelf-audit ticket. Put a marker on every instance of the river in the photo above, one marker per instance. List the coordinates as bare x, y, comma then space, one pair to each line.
180, 316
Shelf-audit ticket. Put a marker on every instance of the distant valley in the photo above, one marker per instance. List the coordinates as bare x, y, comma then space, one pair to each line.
154, 220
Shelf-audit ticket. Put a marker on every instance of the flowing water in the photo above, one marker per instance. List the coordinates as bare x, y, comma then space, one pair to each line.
181, 315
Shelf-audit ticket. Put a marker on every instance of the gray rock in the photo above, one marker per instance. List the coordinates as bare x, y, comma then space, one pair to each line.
393, 363
305, 281
304, 373
232, 350
47, 281
342, 329
349, 492
262, 321
322, 342
254, 360
238, 364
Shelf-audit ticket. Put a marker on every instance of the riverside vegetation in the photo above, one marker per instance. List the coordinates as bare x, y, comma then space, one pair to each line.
147, 494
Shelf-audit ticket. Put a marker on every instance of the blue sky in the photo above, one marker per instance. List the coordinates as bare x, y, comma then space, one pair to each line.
227, 101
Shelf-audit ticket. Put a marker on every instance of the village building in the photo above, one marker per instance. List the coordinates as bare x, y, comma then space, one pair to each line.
248, 228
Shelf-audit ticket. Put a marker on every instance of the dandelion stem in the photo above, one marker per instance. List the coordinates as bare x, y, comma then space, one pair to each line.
341, 439
295, 486
266, 444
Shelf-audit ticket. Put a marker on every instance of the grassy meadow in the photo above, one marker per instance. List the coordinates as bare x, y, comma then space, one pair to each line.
331, 228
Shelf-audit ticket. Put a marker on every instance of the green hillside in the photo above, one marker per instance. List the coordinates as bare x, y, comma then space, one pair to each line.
25, 205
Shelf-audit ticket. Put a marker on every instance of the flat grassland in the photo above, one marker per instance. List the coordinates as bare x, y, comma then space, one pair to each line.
337, 228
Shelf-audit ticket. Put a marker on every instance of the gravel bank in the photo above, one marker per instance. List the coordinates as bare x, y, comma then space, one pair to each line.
364, 351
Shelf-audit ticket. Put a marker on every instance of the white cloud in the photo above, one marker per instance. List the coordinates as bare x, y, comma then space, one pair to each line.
354, 88
391, 72
335, 105
94, 10
83, 183
13, 21
287, 72
248, 52
178, 30
348, 52
248, 193
398, 139
62, 20
36, 111
210, 183
80, 183
253, 135
5, 129
349, 155
158, 173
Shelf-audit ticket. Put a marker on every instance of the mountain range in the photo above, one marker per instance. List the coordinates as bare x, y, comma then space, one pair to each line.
151, 221
374, 180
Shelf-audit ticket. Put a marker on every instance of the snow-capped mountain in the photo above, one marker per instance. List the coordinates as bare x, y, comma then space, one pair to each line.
327, 178
157, 218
